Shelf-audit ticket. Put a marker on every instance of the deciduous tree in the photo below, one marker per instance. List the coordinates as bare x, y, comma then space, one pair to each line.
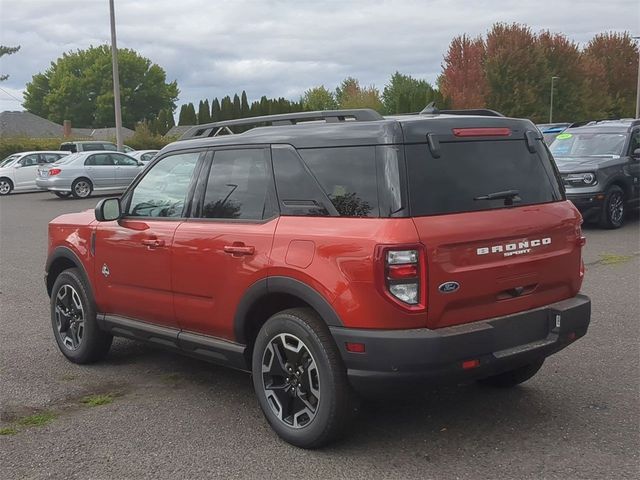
7, 51
463, 78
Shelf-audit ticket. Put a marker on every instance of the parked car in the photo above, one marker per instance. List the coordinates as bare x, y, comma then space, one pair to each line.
92, 145
600, 166
144, 155
551, 130
332, 254
18, 171
79, 174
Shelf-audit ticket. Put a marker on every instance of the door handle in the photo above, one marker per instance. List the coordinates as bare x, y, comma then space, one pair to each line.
238, 250
153, 243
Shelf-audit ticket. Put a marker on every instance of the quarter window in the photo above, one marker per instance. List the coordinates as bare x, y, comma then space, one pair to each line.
163, 190
348, 177
238, 185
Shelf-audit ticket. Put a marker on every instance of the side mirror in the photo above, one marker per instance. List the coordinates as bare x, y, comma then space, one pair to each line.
17, 165
636, 154
141, 164
108, 210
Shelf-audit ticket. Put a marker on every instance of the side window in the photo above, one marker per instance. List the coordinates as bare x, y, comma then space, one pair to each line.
348, 177
91, 147
108, 146
147, 156
163, 190
99, 160
29, 161
635, 141
123, 160
238, 185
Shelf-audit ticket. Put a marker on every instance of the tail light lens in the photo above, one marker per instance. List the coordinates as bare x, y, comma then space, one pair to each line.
402, 275
54, 171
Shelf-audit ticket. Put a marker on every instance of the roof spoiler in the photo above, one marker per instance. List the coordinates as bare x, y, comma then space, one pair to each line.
431, 109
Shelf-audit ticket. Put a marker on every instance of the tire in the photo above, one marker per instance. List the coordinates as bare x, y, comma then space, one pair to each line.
81, 188
73, 318
6, 186
315, 404
62, 194
613, 208
513, 377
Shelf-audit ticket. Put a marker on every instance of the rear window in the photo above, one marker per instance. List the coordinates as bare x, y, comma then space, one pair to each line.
467, 171
68, 147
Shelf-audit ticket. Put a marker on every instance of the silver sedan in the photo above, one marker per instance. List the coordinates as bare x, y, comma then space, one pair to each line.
80, 174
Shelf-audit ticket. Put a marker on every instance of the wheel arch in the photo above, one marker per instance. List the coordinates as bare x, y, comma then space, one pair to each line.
271, 295
623, 183
61, 259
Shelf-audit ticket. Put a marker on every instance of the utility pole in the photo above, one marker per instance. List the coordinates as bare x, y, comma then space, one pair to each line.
638, 87
116, 77
551, 104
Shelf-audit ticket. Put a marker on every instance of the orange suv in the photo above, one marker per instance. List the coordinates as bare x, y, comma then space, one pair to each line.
332, 254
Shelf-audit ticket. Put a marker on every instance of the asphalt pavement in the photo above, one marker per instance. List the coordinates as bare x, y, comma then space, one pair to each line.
146, 413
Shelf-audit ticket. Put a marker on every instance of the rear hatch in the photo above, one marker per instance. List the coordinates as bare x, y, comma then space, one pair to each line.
500, 238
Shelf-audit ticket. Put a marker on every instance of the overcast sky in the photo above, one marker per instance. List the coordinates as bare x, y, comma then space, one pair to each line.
280, 48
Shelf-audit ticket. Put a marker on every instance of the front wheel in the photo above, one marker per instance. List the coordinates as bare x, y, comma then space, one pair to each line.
5, 186
300, 380
513, 377
612, 215
73, 318
81, 188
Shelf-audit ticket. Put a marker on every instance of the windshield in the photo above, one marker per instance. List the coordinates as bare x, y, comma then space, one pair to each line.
588, 144
6, 161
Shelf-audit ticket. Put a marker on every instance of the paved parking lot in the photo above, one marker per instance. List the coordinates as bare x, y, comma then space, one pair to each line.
174, 417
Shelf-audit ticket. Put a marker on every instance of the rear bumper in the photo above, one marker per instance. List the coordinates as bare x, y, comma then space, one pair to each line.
396, 357
53, 184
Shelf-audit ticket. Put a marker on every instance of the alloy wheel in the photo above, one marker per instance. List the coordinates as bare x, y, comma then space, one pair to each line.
616, 208
82, 189
291, 380
70, 317
5, 187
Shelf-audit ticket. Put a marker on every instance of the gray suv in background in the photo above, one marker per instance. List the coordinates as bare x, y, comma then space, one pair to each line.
600, 166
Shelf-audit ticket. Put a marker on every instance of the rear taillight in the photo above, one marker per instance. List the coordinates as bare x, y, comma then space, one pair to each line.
402, 275
54, 171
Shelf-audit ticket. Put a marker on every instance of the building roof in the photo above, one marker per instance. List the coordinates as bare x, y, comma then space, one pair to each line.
26, 124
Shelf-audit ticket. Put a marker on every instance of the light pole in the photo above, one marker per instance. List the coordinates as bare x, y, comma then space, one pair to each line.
551, 103
116, 78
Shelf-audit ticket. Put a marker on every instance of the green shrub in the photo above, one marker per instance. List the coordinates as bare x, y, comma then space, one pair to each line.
11, 145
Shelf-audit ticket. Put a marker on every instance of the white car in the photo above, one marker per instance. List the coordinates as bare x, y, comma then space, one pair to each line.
18, 171
145, 156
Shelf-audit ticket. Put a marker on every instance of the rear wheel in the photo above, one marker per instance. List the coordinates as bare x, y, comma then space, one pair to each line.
62, 194
6, 186
300, 380
613, 210
81, 188
513, 377
73, 318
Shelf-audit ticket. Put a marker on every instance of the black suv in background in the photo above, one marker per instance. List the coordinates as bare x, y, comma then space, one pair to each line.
600, 166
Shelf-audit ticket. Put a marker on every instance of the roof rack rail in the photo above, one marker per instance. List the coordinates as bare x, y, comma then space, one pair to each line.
216, 129
433, 110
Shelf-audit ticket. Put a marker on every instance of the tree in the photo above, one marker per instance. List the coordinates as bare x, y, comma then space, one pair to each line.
613, 58
349, 94
405, 94
188, 115
516, 72
79, 87
204, 115
215, 110
7, 51
244, 105
319, 98
237, 112
463, 78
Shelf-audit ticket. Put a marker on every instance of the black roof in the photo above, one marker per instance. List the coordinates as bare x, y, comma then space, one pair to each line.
374, 131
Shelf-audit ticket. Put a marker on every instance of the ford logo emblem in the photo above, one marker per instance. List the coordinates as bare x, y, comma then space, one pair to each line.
449, 287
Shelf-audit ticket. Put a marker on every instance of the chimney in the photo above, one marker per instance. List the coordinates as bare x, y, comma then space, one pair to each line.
66, 128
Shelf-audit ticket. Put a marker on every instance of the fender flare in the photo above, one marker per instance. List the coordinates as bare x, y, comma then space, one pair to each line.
290, 286
68, 254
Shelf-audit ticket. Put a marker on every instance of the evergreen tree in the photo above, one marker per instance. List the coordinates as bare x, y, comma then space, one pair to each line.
204, 115
237, 109
226, 108
215, 110
244, 105
182, 118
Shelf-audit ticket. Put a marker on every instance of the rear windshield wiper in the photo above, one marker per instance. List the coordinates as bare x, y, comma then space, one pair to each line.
509, 196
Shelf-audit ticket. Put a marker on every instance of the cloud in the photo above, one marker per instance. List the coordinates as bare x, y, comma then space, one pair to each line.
278, 47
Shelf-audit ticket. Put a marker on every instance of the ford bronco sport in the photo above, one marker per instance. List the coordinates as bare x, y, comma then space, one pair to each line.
330, 254
600, 165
